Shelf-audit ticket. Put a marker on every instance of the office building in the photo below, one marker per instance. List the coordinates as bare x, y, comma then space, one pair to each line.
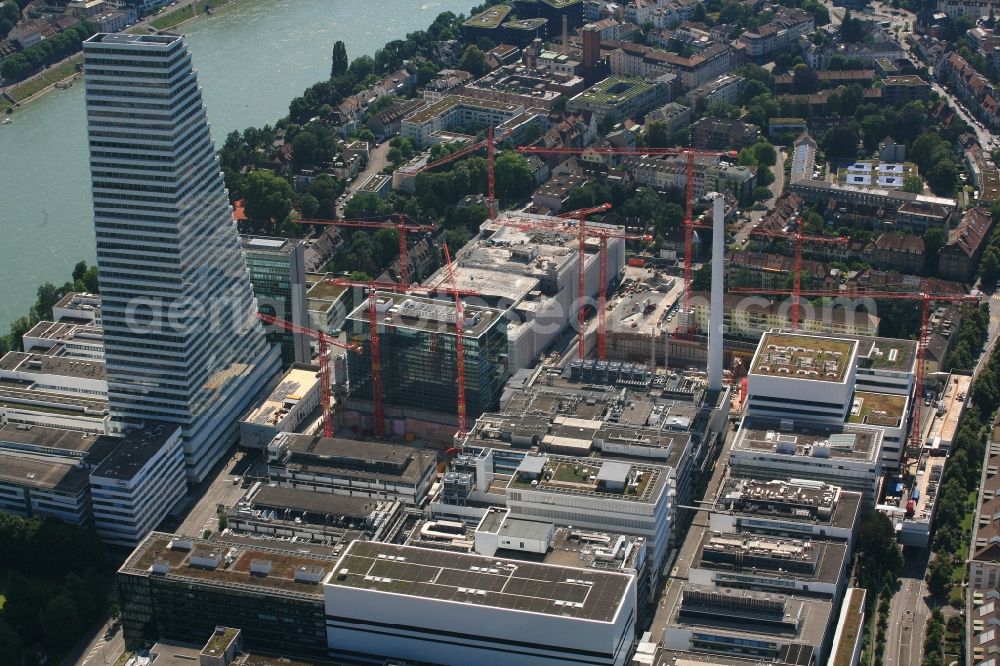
418, 359
180, 589
296, 397
349, 467
848, 456
421, 605
796, 508
182, 343
620, 98
135, 487
278, 275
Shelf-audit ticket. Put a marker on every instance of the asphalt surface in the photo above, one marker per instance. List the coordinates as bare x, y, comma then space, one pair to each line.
376, 162
908, 613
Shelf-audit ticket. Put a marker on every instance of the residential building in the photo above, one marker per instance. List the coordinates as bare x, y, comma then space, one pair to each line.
804, 158
456, 111
921, 214
31, 31
901, 252
869, 53
706, 65
912, 209
971, 87
983, 598
987, 42
896, 89
278, 276
778, 127
532, 613
752, 316
974, 8
781, 32
620, 98
193, 353
711, 133
296, 397
350, 467
710, 174
726, 89
959, 258
556, 190
674, 115
444, 83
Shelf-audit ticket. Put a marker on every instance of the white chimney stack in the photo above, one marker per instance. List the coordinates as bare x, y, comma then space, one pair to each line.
715, 325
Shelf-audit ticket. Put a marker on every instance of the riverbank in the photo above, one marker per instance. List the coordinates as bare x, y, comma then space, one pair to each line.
68, 70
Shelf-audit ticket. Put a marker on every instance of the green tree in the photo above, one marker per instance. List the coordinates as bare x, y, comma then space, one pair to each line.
935, 238
852, 30
267, 197
805, 80
840, 141
699, 15
765, 154
339, 60
939, 576
943, 177
473, 61
913, 184
656, 134
514, 178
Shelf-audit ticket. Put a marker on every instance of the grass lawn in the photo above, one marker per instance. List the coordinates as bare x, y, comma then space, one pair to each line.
171, 19
52, 75
3, 600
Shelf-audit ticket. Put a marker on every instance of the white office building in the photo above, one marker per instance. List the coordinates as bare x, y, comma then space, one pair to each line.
421, 605
135, 487
182, 343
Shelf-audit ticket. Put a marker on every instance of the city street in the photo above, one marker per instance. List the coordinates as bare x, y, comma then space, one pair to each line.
97, 651
376, 162
908, 613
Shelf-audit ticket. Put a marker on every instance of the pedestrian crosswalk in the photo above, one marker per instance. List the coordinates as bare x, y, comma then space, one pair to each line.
995, 296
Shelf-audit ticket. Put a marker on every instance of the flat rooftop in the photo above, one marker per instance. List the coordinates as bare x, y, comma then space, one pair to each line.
293, 387
369, 459
267, 244
321, 288
888, 353
615, 90
798, 623
134, 449
796, 500
42, 474
449, 102
66, 332
796, 559
427, 314
482, 581
44, 364
491, 18
592, 477
298, 500
155, 557
799, 356
55, 441
817, 440
879, 409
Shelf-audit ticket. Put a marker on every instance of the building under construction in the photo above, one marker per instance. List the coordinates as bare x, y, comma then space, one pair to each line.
419, 375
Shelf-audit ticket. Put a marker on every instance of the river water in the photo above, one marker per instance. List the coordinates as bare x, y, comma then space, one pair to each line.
252, 59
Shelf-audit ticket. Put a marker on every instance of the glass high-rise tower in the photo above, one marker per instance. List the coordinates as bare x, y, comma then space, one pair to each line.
182, 342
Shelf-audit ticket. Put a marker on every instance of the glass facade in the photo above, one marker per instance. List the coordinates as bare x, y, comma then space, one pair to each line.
165, 609
419, 369
277, 273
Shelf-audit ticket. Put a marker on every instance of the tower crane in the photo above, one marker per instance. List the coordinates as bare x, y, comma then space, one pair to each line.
459, 350
689, 154
378, 398
324, 342
925, 299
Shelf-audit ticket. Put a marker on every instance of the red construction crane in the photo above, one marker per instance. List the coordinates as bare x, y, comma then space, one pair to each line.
378, 408
924, 335
797, 265
324, 341
690, 154
582, 231
402, 227
490, 144
459, 350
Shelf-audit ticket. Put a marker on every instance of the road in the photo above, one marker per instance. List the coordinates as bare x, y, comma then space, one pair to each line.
96, 651
224, 488
741, 235
376, 162
908, 613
